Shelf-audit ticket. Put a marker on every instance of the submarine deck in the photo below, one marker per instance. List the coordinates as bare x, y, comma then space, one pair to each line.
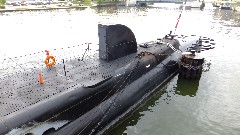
76, 66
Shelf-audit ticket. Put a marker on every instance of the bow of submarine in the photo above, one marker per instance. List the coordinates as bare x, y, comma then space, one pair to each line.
135, 82
141, 82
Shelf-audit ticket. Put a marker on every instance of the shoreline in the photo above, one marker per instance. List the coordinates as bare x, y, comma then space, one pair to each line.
51, 7
235, 6
26, 8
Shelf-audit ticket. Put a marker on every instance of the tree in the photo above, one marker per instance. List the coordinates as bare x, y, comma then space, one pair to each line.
86, 1
2, 2
99, 2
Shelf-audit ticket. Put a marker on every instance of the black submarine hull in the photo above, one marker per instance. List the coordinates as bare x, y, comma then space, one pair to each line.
94, 109
101, 118
153, 69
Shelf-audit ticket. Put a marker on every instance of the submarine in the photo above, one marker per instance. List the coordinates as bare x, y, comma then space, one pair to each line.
91, 88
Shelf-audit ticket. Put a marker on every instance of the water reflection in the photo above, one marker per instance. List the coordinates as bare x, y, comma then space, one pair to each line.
189, 87
206, 66
115, 10
139, 113
228, 17
186, 87
106, 10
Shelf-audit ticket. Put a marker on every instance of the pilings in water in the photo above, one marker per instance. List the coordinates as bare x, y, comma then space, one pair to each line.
191, 65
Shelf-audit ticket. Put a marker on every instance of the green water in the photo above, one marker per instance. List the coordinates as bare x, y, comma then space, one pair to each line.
208, 106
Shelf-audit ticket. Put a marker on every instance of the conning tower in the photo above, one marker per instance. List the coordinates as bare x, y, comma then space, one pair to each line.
115, 41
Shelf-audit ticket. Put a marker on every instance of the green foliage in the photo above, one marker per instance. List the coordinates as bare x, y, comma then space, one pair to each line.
86, 1
2, 2
75, 2
2, 7
106, 2
99, 2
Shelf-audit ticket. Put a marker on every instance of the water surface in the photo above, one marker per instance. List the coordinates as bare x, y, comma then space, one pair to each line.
208, 106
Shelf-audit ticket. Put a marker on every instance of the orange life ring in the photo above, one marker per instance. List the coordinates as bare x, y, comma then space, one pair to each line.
47, 61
